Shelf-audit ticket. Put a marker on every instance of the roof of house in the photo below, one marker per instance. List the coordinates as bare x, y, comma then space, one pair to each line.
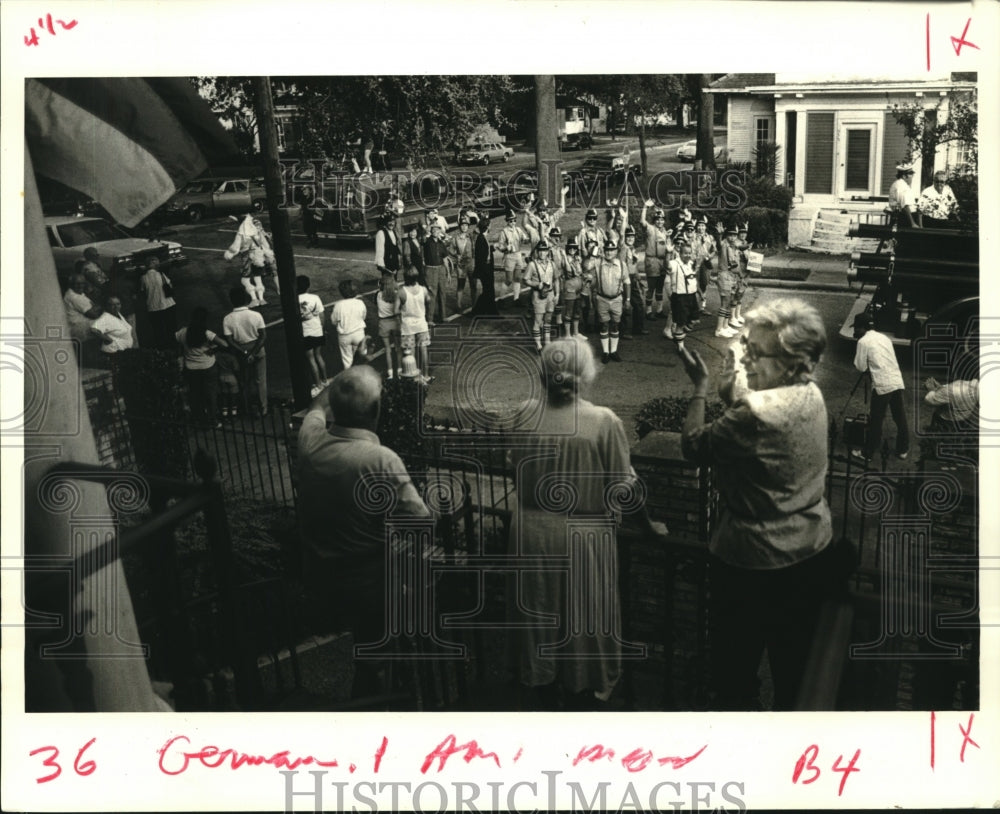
739, 81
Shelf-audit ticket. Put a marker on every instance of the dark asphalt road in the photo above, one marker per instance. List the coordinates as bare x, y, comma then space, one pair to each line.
650, 368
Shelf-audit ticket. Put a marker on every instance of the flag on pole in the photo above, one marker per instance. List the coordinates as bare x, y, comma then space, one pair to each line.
128, 143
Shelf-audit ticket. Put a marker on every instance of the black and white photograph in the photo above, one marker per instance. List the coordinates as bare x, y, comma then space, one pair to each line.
464, 410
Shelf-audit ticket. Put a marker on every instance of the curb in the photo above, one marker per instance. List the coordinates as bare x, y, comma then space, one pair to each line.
803, 285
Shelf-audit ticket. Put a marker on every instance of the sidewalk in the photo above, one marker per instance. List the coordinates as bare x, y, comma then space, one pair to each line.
823, 272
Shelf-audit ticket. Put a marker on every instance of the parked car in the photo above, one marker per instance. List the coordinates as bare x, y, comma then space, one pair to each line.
485, 153
577, 141
217, 196
119, 252
688, 150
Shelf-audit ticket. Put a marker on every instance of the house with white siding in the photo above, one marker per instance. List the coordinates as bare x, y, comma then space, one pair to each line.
838, 140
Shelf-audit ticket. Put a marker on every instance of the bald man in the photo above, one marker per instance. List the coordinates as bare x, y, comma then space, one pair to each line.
344, 472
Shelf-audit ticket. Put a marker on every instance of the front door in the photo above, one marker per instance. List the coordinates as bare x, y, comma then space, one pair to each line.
857, 160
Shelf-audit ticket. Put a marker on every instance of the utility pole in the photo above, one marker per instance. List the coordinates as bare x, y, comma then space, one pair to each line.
282, 234
546, 138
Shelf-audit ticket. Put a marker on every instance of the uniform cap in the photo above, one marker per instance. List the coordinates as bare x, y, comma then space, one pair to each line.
542, 245
510, 215
904, 167
591, 213
629, 231
555, 231
610, 246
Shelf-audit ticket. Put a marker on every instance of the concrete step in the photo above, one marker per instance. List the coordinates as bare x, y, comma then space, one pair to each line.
830, 228
842, 245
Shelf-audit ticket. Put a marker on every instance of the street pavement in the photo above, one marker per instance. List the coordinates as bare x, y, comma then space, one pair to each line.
650, 365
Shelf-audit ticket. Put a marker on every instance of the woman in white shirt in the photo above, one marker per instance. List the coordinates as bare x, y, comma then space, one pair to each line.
113, 329
311, 312
199, 345
348, 316
160, 304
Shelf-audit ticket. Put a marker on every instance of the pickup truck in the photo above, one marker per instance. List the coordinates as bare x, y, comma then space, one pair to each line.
206, 197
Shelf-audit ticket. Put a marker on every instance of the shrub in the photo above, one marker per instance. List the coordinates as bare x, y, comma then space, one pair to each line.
767, 227
667, 414
764, 193
766, 160
966, 189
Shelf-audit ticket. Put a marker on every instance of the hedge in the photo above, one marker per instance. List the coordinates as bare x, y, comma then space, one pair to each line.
767, 227
667, 414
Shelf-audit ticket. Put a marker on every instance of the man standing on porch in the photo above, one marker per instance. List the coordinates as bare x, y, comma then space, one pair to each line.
902, 200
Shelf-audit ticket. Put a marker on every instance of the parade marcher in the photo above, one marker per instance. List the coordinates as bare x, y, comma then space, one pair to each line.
703, 253
461, 247
486, 305
313, 337
541, 278
538, 221
902, 200
773, 561
591, 233
261, 252
160, 305
437, 272
558, 254
637, 278
387, 303
612, 295
387, 254
248, 246
348, 317
876, 355
589, 262
345, 546
570, 288
682, 280
512, 237
415, 336
413, 251
937, 205
743, 279
726, 280
245, 330
658, 244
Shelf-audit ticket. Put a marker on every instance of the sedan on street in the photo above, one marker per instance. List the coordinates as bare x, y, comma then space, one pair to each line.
688, 150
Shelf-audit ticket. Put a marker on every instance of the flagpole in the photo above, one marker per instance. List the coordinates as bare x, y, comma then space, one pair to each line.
281, 232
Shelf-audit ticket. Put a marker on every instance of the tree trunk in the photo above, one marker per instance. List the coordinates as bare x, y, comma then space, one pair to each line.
706, 126
642, 144
546, 138
679, 114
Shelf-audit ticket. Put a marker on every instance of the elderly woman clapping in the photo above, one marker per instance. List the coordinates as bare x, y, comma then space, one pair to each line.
773, 563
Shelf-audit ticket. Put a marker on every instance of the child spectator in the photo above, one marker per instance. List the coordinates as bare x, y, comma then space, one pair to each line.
313, 339
387, 303
348, 317
245, 330
414, 303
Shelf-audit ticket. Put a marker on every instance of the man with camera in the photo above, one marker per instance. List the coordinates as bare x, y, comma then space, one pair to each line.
541, 278
877, 356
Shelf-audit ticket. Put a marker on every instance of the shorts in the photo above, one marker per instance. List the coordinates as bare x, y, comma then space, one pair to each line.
684, 308
229, 368
387, 326
654, 266
573, 308
513, 262
726, 282
411, 341
609, 310
540, 306
310, 342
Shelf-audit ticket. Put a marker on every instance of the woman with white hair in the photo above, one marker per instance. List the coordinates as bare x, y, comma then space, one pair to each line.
773, 563
574, 483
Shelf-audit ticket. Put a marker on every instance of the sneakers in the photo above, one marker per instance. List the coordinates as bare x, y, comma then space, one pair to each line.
726, 333
739, 322
605, 358
903, 455
859, 456
615, 357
